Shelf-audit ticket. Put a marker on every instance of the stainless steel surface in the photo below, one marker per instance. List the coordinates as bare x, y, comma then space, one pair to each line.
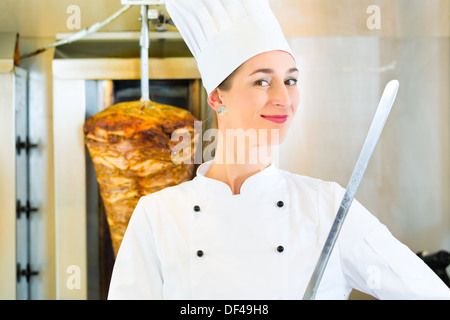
101, 45
22, 182
97, 99
145, 44
7, 188
112, 68
141, 2
7, 45
69, 112
116, 55
172, 34
7, 168
381, 115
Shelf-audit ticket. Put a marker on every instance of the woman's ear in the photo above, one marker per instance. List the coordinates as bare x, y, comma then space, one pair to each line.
214, 99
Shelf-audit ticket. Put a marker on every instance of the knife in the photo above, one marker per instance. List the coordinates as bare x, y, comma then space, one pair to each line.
381, 115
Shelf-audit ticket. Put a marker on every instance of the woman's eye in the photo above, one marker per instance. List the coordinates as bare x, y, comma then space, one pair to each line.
262, 83
291, 82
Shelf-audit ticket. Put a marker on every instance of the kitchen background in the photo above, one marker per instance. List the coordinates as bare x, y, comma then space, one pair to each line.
346, 50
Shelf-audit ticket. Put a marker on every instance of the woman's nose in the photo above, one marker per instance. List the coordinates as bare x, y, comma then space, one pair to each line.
280, 95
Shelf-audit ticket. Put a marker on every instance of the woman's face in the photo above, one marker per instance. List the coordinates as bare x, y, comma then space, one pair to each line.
263, 97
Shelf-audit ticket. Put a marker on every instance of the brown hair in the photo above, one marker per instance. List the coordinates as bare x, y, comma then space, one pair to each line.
211, 120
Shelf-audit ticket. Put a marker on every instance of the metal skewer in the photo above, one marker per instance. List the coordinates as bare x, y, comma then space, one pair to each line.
384, 107
145, 45
144, 41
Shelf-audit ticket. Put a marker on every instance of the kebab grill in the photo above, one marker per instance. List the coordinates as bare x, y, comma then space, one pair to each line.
130, 145
131, 148
124, 97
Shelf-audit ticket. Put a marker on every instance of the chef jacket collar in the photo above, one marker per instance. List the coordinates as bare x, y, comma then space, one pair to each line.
259, 182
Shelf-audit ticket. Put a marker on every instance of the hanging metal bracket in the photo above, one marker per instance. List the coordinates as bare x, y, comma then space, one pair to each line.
27, 209
27, 272
27, 145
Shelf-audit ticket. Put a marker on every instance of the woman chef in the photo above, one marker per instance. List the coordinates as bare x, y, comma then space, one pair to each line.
246, 229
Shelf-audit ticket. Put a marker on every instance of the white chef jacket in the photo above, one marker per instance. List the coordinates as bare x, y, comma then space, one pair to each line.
197, 240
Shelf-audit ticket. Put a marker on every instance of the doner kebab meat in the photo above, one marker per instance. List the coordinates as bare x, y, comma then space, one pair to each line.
131, 148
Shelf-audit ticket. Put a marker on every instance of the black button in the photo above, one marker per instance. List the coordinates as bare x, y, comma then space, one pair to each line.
280, 249
196, 208
280, 204
200, 253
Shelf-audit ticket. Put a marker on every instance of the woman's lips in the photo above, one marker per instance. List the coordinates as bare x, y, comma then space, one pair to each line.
276, 118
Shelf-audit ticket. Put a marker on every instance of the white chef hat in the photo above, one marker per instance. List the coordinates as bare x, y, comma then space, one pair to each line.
223, 34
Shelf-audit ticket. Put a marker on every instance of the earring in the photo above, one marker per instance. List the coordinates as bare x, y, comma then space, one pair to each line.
222, 110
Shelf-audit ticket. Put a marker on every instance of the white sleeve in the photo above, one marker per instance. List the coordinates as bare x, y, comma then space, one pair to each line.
137, 269
376, 263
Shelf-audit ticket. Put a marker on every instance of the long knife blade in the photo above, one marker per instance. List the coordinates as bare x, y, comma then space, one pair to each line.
381, 115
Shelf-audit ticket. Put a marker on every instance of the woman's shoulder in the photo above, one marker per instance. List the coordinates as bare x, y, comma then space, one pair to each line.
305, 181
169, 194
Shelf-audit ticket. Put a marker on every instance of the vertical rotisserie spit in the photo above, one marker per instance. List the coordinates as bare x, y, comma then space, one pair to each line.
130, 145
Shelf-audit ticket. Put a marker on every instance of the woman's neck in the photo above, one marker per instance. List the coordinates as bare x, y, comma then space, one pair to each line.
234, 163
